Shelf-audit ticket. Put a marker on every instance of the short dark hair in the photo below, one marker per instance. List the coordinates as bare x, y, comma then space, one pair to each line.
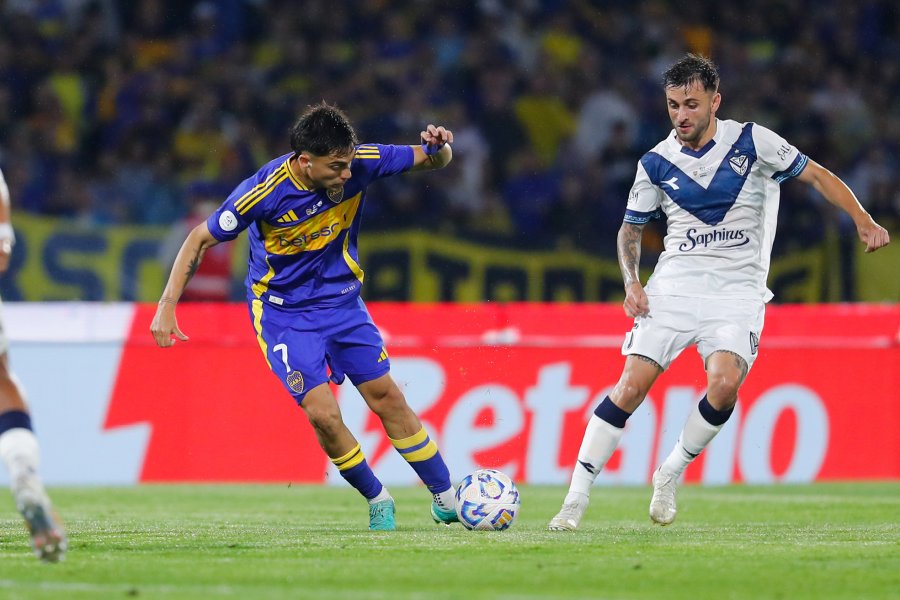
322, 129
691, 68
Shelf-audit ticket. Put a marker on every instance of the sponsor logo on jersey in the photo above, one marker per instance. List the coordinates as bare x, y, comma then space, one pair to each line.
303, 239
671, 183
227, 221
287, 217
721, 239
784, 151
702, 172
312, 209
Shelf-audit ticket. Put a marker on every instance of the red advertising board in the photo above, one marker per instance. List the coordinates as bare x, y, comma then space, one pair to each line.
512, 386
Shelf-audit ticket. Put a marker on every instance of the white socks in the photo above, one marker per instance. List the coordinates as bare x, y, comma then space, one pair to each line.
697, 433
384, 494
599, 442
19, 452
446, 499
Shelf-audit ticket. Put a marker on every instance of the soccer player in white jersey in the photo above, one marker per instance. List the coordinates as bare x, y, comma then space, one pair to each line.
18, 446
717, 182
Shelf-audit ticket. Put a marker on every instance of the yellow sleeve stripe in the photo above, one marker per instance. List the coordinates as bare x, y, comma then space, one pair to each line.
248, 200
413, 440
368, 152
349, 460
257, 188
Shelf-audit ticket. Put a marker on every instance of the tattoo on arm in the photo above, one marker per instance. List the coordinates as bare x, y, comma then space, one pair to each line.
629, 249
192, 267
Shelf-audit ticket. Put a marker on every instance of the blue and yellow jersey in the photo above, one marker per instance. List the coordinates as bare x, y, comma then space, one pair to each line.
303, 245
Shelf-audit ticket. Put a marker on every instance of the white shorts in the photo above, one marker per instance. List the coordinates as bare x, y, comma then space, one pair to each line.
675, 322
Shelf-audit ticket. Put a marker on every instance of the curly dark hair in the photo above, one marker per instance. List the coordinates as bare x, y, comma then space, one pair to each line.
322, 129
691, 68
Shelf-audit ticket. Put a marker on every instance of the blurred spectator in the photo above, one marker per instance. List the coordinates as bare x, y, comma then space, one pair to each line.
109, 111
212, 281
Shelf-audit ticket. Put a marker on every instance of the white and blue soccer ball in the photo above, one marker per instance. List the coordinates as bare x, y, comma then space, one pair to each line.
487, 500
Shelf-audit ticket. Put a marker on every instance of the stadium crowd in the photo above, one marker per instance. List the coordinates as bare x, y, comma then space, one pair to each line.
134, 112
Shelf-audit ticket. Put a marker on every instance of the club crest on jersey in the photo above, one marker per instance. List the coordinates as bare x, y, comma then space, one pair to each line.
739, 164
335, 195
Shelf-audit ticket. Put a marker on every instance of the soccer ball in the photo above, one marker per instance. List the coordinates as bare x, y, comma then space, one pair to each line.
487, 500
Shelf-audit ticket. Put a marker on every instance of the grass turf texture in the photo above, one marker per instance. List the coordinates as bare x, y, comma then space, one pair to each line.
819, 541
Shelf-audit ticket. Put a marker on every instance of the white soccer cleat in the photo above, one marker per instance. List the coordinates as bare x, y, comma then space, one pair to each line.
48, 540
570, 515
662, 504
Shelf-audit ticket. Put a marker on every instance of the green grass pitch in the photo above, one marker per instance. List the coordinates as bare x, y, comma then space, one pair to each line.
821, 541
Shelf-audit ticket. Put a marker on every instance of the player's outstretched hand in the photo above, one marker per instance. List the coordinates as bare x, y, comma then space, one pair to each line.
873, 235
436, 136
636, 303
164, 326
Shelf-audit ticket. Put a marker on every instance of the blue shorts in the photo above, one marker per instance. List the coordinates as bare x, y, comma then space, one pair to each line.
302, 345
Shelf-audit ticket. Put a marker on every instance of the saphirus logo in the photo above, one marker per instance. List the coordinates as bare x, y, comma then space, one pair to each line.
718, 238
305, 238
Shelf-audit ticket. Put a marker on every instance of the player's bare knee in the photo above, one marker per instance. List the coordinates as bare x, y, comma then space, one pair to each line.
325, 420
629, 392
388, 403
722, 391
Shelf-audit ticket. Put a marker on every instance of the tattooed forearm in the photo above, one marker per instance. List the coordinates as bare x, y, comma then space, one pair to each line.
628, 245
193, 266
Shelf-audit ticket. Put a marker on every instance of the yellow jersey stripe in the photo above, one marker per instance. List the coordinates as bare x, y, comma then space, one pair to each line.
354, 266
263, 193
257, 307
260, 287
348, 219
294, 178
247, 197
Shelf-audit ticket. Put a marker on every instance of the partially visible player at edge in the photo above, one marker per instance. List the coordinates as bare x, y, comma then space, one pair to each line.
717, 182
18, 446
303, 210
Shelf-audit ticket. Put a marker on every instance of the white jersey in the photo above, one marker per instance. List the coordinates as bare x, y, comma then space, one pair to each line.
721, 203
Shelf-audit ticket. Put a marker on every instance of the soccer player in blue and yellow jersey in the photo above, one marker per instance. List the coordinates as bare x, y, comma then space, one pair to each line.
303, 289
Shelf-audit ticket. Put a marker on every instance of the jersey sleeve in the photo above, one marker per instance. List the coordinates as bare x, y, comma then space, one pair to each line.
779, 159
384, 160
644, 199
237, 212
